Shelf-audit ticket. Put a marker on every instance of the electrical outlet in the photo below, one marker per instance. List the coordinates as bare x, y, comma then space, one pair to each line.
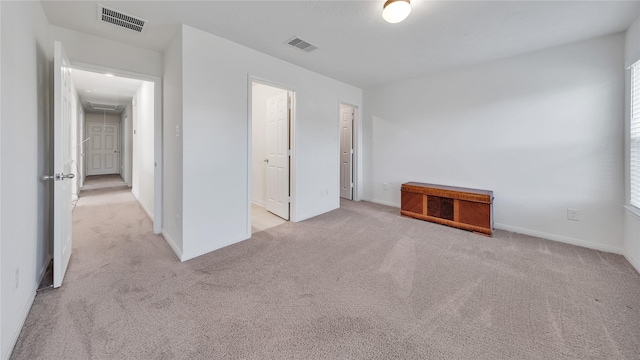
177, 130
573, 214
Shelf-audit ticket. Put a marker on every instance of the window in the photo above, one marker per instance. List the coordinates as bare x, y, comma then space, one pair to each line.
634, 141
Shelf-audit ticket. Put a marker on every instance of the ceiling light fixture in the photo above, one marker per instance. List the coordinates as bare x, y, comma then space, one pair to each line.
395, 11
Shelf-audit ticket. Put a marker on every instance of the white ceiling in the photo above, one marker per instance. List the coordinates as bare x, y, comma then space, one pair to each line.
103, 89
354, 43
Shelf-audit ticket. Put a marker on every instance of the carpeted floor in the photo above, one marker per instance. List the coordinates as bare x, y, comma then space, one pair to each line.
360, 282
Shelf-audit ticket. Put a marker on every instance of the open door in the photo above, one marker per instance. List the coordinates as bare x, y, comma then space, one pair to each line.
278, 155
61, 164
347, 114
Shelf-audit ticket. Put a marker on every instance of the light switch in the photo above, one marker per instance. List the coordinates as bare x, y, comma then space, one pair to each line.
177, 130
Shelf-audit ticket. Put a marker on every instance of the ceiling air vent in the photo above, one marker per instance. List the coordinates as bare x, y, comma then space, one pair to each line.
298, 43
121, 19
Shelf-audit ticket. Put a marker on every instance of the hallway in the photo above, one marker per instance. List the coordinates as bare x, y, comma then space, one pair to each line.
115, 257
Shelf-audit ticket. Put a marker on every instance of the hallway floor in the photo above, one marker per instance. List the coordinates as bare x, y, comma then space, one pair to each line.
95, 182
261, 219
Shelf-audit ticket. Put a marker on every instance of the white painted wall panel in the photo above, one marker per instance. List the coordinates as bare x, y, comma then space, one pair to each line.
543, 131
89, 49
172, 145
143, 147
26, 142
216, 137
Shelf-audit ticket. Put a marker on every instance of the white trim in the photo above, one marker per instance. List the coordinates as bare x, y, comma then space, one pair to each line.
635, 264
540, 234
172, 245
23, 318
207, 249
633, 59
634, 211
383, 202
149, 213
561, 238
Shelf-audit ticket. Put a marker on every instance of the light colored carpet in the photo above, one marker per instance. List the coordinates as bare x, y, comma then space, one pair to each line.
360, 282
95, 182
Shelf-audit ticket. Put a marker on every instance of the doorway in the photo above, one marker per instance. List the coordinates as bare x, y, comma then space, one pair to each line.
103, 154
347, 151
271, 123
121, 132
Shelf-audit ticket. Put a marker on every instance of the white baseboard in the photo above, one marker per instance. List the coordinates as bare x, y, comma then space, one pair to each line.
23, 318
172, 245
383, 202
149, 213
633, 262
205, 250
560, 238
540, 234
259, 203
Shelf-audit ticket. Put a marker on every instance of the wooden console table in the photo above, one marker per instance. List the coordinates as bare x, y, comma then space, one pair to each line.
468, 209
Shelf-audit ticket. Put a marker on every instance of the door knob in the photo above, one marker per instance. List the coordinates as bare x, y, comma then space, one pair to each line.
266, 160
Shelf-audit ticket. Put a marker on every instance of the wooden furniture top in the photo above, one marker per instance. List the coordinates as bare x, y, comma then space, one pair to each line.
477, 195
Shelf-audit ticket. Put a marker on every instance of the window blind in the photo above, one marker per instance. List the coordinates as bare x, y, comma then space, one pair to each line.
634, 142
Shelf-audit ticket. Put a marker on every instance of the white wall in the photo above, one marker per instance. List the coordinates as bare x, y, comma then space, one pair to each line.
216, 134
26, 138
143, 147
259, 96
126, 141
542, 130
84, 48
631, 219
100, 118
172, 145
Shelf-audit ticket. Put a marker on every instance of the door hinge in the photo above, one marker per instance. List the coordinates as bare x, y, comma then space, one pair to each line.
351, 151
288, 199
352, 185
289, 152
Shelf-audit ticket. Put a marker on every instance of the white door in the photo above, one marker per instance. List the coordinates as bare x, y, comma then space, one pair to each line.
278, 155
347, 115
61, 164
103, 149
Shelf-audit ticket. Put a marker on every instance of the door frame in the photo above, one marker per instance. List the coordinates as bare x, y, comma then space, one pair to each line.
157, 129
356, 143
117, 126
292, 139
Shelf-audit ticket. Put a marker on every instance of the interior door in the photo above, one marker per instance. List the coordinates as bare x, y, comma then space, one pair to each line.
347, 114
61, 165
103, 153
278, 155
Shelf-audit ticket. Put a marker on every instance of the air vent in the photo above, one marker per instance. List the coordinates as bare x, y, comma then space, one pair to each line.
107, 107
298, 43
121, 19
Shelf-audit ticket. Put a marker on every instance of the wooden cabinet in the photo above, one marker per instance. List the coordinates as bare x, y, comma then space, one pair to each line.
468, 209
